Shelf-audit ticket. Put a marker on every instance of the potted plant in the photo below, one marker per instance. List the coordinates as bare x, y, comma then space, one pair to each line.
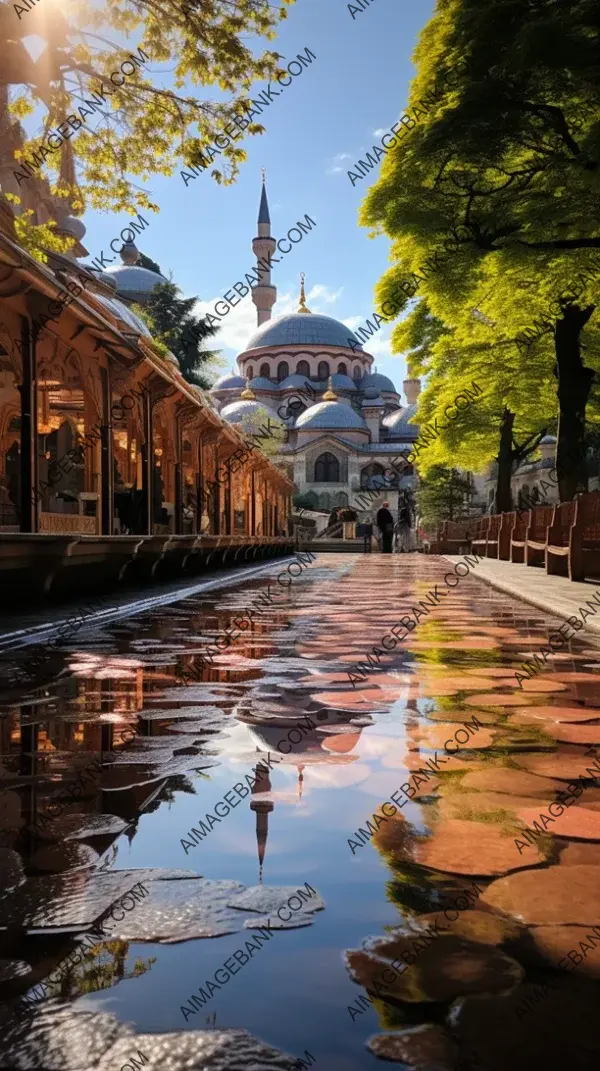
348, 518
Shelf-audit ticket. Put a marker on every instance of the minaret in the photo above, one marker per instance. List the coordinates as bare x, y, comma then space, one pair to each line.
263, 295
262, 809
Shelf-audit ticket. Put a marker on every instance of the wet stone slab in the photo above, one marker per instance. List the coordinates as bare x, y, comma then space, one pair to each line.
58, 1038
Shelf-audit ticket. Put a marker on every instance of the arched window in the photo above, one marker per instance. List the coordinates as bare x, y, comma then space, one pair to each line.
325, 500
341, 499
323, 370
265, 371
283, 370
357, 374
342, 369
327, 469
250, 372
303, 369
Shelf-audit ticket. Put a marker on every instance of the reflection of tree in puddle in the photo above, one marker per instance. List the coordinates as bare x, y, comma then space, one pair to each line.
102, 967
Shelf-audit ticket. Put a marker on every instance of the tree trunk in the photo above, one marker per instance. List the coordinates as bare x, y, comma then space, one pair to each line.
505, 460
574, 385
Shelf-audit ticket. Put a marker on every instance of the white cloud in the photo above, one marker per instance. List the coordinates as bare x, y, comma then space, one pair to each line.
240, 323
337, 161
380, 132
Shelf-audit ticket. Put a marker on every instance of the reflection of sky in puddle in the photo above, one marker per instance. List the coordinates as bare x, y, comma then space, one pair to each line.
298, 820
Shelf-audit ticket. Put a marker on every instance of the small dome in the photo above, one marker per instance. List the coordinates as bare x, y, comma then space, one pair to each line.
108, 280
548, 440
398, 421
304, 329
135, 283
73, 226
229, 382
372, 399
262, 383
330, 415
343, 382
121, 311
294, 380
236, 412
375, 379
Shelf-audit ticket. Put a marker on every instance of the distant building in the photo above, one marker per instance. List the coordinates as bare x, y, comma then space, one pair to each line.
345, 423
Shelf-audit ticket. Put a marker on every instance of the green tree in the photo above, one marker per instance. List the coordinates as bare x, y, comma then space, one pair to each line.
492, 198
147, 129
267, 431
145, 262
481, 405
171, 320
444, 495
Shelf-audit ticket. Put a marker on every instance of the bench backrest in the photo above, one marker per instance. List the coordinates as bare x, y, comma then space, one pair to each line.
522, 522
564, 517
588, 515
541, 520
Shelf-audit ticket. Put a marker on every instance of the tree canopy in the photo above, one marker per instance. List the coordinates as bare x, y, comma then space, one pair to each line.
491, 202
146, 129
171, 320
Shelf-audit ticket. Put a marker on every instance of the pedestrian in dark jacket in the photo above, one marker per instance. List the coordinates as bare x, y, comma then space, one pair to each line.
385, 523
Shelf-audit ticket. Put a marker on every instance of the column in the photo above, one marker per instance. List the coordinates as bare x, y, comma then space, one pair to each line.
178, 505
147, 452
107, 507
29, 512
200, 486
216, 495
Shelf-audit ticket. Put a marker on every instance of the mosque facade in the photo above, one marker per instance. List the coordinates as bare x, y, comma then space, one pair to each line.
343, 425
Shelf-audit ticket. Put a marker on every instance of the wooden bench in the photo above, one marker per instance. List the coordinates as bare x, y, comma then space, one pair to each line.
497, 539
537, 535
453, 538
584, 538
558, 538
480, 535
518, 535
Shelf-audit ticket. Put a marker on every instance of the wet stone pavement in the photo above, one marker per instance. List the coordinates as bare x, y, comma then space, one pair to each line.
286, 863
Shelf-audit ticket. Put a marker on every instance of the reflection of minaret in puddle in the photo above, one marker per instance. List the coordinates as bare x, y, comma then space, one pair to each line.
262, 808
412, 721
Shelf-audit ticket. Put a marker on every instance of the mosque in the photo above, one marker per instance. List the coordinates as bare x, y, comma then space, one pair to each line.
310, 374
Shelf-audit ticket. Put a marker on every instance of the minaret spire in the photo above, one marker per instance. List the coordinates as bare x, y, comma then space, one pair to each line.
302, 306
264, 294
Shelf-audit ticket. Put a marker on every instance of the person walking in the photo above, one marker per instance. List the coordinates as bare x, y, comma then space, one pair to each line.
403, 528
385, 523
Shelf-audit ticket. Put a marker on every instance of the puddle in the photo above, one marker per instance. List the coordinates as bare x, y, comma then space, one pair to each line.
420, 918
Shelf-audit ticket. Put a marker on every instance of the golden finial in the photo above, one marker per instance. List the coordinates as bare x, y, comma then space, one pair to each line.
329, 395
248, 394
302, 306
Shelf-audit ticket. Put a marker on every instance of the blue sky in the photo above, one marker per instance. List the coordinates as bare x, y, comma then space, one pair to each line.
358, 84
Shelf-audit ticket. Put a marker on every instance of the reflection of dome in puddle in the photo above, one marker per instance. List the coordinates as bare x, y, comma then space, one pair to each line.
312, 747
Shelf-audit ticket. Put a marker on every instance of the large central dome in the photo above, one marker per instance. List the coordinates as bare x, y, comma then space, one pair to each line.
298, 329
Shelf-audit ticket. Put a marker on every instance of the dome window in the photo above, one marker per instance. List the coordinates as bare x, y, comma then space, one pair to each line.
323, 370
265, 371
357, 374
250, 372
327, 469
303, 369
283, 370
342, 369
